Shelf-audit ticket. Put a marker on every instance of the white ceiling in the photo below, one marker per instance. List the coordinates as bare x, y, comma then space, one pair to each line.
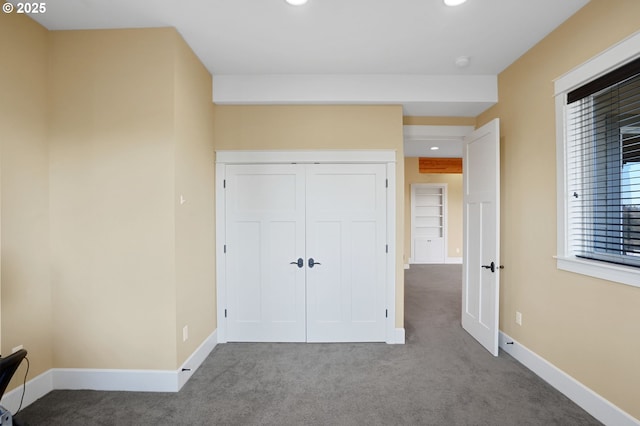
342, 38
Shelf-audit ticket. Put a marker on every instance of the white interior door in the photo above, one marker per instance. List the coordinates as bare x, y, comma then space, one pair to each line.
346, 234
481, 270
265, 213
276, 215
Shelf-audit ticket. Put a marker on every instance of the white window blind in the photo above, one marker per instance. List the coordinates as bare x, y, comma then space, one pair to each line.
603, 167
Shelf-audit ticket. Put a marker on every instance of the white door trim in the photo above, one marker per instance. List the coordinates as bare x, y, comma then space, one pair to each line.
284, 157
387, 157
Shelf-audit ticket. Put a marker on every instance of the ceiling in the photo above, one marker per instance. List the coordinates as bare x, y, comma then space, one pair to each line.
435, 141
387, 46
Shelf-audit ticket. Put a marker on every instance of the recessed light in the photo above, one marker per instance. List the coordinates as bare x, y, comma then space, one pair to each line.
434, 148
462, 61
454, 2
296, 2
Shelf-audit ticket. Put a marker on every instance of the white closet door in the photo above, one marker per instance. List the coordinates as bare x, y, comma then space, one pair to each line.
346, 235
265, 232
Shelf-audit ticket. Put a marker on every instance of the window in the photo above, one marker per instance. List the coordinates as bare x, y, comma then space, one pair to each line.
598, 111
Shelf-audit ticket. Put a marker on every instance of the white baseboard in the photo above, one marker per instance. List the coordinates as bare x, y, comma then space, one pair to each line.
397, 338
110, 379
134, 380
591, 402
115, 380
196, 359
456, 260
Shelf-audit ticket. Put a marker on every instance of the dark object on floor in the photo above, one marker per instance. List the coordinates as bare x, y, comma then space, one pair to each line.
8, 367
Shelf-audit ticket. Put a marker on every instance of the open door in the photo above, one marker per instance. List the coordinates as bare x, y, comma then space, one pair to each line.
481, 218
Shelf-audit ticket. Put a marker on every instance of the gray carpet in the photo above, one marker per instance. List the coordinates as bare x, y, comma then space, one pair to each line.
440, 377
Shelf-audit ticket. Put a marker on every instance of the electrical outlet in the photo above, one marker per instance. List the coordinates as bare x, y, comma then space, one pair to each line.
185, 333
518, 318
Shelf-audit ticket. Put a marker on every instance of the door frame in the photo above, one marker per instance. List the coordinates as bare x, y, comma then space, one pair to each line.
387, 157
445, 219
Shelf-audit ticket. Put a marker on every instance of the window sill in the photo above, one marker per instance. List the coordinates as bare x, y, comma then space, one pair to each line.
616, 273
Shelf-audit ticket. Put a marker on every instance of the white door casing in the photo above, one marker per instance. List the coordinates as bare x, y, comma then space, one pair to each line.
481, 219
353, 233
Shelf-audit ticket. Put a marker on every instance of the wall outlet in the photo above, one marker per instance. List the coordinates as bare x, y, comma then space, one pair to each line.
518, 318
185, 333
16, 349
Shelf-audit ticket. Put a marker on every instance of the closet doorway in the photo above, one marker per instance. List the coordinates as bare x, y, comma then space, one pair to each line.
305, 252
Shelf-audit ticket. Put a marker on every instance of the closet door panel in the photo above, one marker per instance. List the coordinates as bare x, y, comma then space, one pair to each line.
346, 234
265, 234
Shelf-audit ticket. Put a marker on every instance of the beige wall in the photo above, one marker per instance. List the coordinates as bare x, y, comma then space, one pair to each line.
320, 127
112, 198
195, 236
25, 288
454, 206
589, 328
102, 131
131, 132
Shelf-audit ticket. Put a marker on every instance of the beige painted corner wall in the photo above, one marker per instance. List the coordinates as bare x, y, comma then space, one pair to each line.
587, 327
102, 132
454, 206
194, 217
24, 199
320, 127
131, 135
112, 198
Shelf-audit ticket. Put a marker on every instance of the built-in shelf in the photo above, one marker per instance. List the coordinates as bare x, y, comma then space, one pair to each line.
428, 213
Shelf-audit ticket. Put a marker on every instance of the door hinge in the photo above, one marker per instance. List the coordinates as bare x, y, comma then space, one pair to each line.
387, 248
225, 248
386, 183
224, 183
225, 313
386, 313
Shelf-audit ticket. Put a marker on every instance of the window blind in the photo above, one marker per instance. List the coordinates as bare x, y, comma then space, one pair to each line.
603, 167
